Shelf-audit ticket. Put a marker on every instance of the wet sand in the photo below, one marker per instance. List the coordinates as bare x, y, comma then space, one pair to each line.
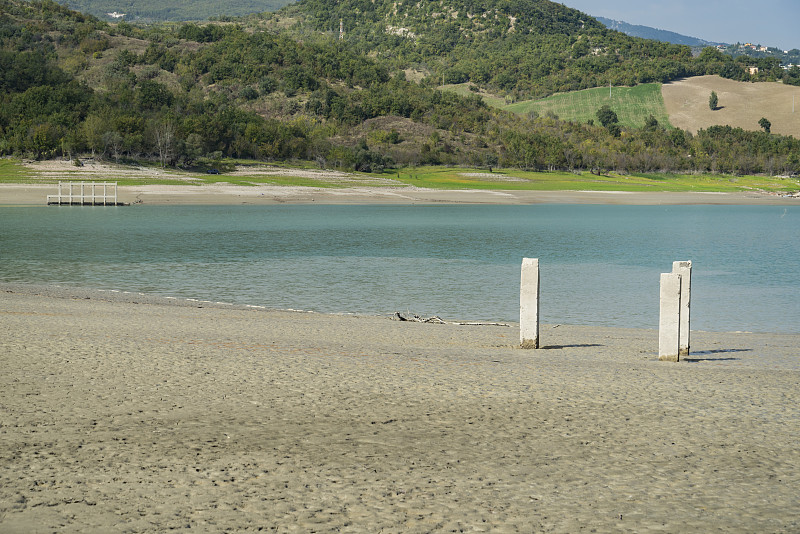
223, 194
129, 413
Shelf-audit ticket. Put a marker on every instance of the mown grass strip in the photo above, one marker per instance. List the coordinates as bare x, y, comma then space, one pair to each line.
13, 172
254, 180
511, 179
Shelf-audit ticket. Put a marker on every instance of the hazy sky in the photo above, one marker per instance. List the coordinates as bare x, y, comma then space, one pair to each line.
766, 22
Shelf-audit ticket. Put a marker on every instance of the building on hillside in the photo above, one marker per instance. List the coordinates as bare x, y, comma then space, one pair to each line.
752, 70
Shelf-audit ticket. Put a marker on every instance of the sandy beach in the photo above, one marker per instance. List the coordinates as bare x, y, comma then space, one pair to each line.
225, 194
130, 413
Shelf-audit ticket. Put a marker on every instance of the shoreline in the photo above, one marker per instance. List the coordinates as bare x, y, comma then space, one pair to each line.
36, 195
123, 416
57, 291
123, 297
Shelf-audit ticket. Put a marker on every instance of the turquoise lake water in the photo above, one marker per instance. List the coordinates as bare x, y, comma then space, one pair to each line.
600, 265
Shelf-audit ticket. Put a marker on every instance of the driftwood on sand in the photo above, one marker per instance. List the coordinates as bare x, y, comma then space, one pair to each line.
414, 318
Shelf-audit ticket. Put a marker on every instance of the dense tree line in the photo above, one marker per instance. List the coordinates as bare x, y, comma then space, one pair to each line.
193, 93
548, 143
155, 10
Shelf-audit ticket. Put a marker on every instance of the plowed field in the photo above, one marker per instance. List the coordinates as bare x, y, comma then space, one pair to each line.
741, 104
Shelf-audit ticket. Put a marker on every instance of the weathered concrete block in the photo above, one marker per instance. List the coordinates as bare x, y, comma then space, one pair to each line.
684, 268
529, 304
670, 318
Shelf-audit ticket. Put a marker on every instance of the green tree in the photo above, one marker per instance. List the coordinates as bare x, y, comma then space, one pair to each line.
93, 129
713, 101
607, 116
764, 123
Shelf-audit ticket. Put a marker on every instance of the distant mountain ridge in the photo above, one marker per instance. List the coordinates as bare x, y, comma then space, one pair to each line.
786, 57
647, 32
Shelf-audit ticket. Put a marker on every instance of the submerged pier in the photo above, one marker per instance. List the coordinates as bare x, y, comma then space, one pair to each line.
85, 194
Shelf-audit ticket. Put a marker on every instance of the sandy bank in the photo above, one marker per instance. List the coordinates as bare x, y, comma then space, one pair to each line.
353, 189
221, 194
129, 414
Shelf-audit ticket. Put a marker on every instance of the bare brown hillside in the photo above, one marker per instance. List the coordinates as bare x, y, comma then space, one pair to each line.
741, 104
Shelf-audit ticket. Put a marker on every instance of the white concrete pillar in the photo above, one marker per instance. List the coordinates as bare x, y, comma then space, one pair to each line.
529, 304
670, 318
684, 268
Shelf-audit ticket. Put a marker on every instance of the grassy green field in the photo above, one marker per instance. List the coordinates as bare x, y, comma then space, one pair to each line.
12, 171
633, 105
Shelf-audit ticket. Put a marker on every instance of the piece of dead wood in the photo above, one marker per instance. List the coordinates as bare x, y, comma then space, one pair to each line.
414, 318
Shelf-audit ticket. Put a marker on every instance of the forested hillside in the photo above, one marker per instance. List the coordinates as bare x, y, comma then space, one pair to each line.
523, 48
285, 87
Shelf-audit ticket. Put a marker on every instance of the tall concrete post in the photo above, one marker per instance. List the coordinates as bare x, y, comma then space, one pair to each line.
529, 304
684, 268
670, 318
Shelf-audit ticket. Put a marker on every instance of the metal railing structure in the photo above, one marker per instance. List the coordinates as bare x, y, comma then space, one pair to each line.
85, 194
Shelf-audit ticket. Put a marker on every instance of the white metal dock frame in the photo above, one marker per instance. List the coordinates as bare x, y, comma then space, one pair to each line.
85, 194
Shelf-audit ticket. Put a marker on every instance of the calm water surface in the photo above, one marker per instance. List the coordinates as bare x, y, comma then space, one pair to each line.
600, 265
